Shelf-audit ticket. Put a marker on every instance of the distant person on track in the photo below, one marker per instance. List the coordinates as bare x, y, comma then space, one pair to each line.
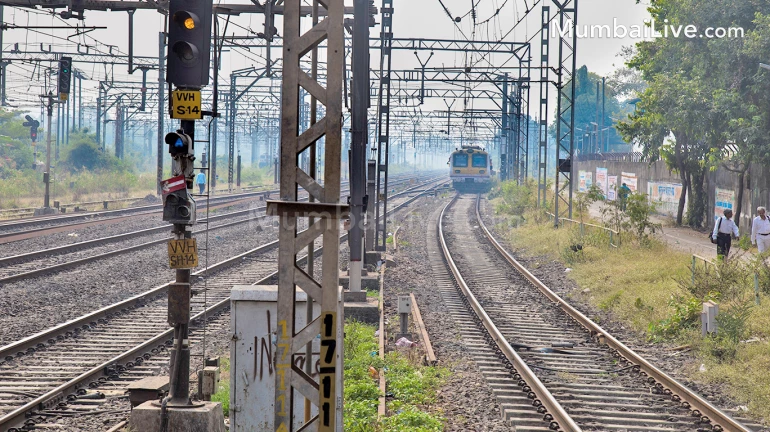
724, 229
624, 192
760, 230
200, 179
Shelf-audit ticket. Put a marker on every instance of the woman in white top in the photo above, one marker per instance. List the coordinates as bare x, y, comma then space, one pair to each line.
724, 228
760, 230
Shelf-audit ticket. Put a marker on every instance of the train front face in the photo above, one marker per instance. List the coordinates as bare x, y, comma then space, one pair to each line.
470, 170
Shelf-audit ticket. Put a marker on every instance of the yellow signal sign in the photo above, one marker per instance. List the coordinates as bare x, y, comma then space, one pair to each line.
186, 105
182, 254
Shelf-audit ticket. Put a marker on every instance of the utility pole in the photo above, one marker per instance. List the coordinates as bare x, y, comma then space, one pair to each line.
161, 105
359, 126
3, 64
189, 45
598, 130
51, 100
504, 131
601, 119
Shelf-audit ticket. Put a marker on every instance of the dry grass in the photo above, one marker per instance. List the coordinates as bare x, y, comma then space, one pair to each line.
636, 284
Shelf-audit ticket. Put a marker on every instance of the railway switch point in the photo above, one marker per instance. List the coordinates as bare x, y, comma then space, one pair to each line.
202, 417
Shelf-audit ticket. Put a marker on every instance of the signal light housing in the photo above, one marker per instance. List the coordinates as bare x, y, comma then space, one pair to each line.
179, 208
189, 43
65, 77
179, 143
32, 124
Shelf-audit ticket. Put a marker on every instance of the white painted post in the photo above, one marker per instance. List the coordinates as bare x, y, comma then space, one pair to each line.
709, 318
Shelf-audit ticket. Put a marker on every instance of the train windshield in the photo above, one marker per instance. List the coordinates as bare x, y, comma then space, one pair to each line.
461, 160
479, 161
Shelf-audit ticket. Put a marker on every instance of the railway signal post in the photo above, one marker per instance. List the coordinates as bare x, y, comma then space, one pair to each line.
189, 47
46, 209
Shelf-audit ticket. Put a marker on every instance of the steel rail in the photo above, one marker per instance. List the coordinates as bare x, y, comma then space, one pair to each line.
254, 191
75, 263
133, 211
560, 419
110, 214
31, 344
696, 403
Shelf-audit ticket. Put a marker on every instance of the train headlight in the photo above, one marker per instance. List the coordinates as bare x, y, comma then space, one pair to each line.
457, 171
481, 171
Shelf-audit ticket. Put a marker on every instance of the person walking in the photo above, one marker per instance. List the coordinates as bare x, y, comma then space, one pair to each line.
200, 180
760, 230
724, 229
624, 192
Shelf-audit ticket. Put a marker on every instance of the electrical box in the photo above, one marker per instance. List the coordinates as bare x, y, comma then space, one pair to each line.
253, 320
404, 304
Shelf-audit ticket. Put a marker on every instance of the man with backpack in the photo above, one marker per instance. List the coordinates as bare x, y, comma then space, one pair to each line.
724, 230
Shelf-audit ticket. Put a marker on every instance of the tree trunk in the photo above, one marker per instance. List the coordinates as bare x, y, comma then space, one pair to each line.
682, 200
699, 199
681, 166
739, 198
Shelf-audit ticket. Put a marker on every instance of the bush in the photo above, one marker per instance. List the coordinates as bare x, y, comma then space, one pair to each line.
413, 420
516, 198
253, 176
686, 316
640, 210
84, 154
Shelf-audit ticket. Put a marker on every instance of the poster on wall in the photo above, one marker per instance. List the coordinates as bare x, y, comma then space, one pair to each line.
666, 195
589, 180
601, 180
612, 187
582, 182
725, 200
630, 180
664, 192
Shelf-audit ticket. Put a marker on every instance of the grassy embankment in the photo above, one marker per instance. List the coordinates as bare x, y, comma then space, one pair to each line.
413, 387
648, 286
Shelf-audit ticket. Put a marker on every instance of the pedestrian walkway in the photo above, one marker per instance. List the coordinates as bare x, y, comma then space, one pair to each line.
684, 239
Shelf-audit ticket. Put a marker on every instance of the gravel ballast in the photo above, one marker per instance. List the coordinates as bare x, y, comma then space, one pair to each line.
465, 400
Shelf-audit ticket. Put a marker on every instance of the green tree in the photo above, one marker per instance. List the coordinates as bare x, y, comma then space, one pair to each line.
705, 106
15, 143
83, 153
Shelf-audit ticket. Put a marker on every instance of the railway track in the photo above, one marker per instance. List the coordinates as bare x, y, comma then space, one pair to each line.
548, 364
13, 230
41, 262
58, 365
